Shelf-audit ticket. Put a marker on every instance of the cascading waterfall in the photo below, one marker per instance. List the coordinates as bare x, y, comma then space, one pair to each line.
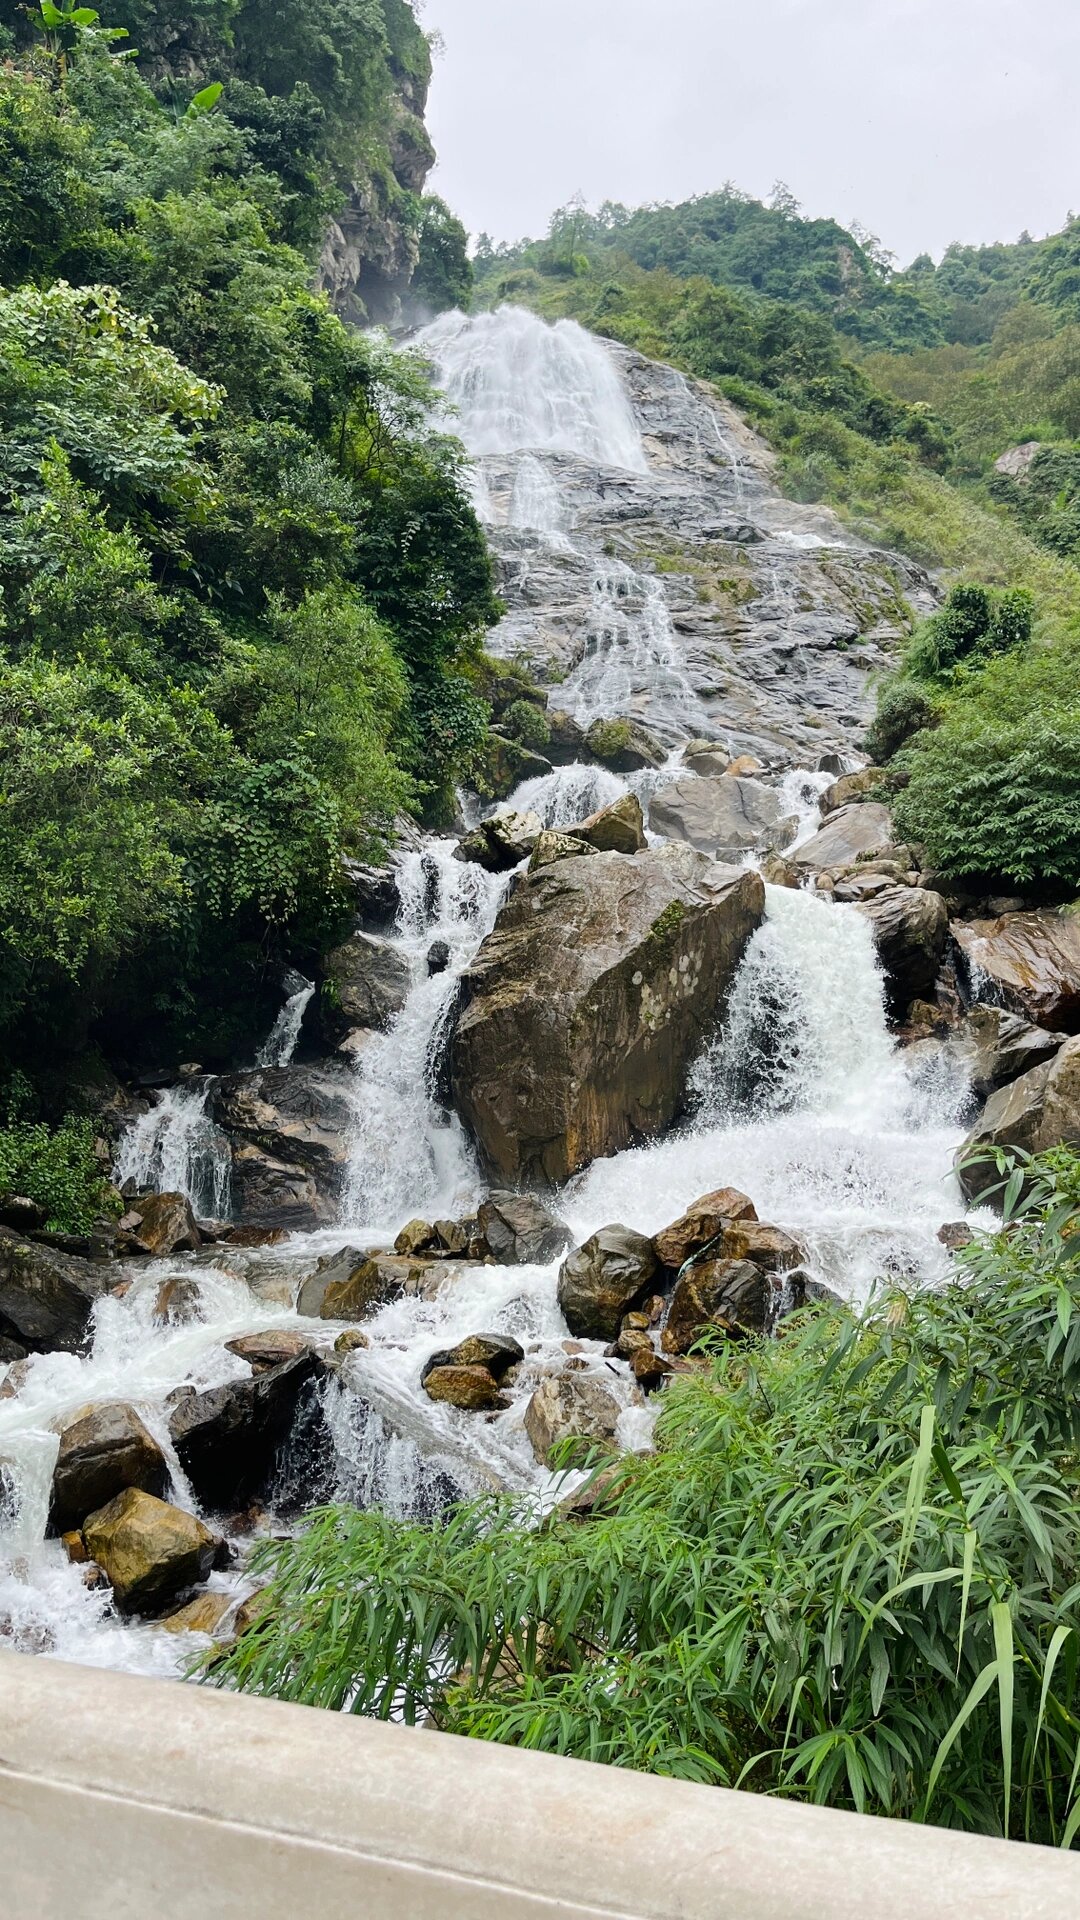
802, 1101
280, 1044
408, 1152
175, 1148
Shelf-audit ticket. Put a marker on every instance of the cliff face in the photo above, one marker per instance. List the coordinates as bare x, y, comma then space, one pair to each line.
372, 248
368, 64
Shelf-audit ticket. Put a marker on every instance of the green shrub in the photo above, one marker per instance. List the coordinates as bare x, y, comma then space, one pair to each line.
849, 1574
903, 710
527, 724
58, 1170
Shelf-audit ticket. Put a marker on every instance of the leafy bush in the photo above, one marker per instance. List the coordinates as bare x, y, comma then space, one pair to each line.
849, 1574
527, 724
58, 1170
903, 710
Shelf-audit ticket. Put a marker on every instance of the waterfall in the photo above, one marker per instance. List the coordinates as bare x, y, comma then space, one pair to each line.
409, 1154
280, 1044
630, 663
517, 384
804, 1103
175, 1148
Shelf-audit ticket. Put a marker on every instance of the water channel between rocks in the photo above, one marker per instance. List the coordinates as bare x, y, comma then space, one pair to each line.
585, 459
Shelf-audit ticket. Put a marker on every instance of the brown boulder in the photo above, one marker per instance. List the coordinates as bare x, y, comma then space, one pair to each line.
850, 787
600, 1280
472, 1388
262, 1351
178, 1301
497, 1352
353, 1286
105, 1450
1033, 962
204, 1614
149, 1551
587, 1003
733, 1296
570, 1404
1038, 1110
418, 1236
700, 1224
167, 1224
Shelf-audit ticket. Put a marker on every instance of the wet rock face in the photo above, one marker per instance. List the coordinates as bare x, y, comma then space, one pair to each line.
367, 981
1005, 1045
498, 844
47, 1298
166, 1224
779, 620
289, 1128
858, 831
619, 828
1038, 1110
725, 1296
587, 1003
708, 1217
727, 817
1031, 961
520, 1230
226, 1438
100, 1454
911, 930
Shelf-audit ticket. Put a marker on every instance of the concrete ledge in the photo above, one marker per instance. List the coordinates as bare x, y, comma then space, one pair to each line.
126, 1799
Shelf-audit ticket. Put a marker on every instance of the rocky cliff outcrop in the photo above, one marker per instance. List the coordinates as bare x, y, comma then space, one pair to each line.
585, 1006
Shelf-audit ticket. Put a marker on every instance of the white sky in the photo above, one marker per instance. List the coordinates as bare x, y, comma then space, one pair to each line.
928, 120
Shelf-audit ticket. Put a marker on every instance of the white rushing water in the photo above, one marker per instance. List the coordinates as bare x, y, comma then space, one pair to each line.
803, 1100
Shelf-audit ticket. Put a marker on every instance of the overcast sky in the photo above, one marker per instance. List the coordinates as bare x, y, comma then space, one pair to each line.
927, 120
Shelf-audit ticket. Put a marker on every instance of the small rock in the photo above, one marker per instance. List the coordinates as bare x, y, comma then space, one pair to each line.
650, 1369
497, 1352
624, 745
22, 1215
74, 1546
178, 1301
438, 956
368, 981
552, 846
149, 1550
850, 787
618, 828
204, 1614
353, 1340
417, 1237
955, 1235
501, 842
263, 1351
452, 1237
168, 1224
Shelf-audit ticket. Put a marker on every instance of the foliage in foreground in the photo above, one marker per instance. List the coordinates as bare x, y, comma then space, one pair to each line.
850, 1573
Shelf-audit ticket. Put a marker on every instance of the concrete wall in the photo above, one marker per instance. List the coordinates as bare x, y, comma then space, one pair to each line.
124, 1799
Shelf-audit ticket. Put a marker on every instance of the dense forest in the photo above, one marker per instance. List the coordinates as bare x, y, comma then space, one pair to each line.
242, 587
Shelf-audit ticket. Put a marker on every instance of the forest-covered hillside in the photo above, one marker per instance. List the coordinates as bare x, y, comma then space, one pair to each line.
242, 586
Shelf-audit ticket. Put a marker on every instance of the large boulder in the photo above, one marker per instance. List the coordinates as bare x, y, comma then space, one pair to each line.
849, 788
704, 1221
47, 1298
502, 842
150, 1551
226, 1438
497, 1352
1003, 1045
507, 763
353, 1285
520, 1230
365, 983
911, 930
570, 1404
294, 1117
727, 817
166, 1224
553, 845
618, 828
585, 1006
473, 1388
567, 742
728, 1296
603, 1279
624, 745
1031, 961
105, 1450
1038, 1110
859, 831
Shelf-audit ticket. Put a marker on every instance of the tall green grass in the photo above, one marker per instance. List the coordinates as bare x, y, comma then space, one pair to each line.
849, 1574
